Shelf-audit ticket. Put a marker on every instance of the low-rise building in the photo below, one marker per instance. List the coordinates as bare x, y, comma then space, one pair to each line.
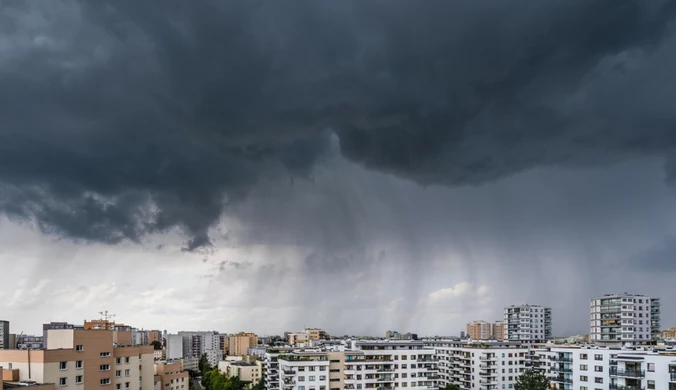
9, 379
171, 375
251, 372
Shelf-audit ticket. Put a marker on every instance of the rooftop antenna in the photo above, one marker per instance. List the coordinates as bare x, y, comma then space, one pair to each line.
107, 317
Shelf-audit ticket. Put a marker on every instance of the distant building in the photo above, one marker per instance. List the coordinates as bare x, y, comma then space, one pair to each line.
528, 323
197, 343
297, 338
240, 343
53, 326
668, 333
4, 335
315, 334
624, 318
251, 372
175, 347
29, 342
394, 335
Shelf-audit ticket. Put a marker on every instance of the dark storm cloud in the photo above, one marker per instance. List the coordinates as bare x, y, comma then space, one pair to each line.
120, 118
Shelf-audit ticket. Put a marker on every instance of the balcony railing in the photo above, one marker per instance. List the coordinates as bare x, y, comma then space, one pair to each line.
562, 380
672, 377
627, 373
562, 369
615, 386
561, 359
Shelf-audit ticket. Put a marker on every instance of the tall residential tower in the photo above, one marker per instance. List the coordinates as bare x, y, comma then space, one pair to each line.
528, 323
624, 318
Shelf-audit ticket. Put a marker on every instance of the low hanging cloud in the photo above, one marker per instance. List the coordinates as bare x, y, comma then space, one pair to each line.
122, 119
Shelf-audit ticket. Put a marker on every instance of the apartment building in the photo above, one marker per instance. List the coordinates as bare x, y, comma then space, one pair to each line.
315, 334
304, 371
174, 347
668, 333
29, 342
240, 343
482, 330
624, 318
528, 323
154, 335
197, 343
479, 365
298, 338
84, 359
246, 371
594, 367
171, 376
4, 335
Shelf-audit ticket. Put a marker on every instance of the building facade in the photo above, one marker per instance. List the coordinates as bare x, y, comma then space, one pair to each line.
482, 330
240, 343
4, 335
175, 347
251, 372
479, 365
624, 318
588, 368
195, 344
171, 376
84, 359
528, 323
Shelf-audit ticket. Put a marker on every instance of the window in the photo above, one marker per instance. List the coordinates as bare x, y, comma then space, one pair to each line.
301, 379
584, 388
311, 378
118, 373
322, 377
79, 379
63, 365
511, 378
105, 354
403, 357
598, 368
105, 381
118, 386
301, 387
79, 348
598, 357
78, 364
322, 368
583, 367
126, 360
118, 360
651, 384
583, 378
403, 366
63, 381
598, 380
651, 367
127, 385
127, 372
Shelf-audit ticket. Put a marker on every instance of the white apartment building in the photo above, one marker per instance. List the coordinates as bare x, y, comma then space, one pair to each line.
528, 323
622, 318
389, 364
304, 371
487, 365
197, 343
603, 368
174, 346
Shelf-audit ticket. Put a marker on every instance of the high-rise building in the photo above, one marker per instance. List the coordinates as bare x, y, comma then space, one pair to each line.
175, 347
240, 343
4, 335
528, 323
624, 318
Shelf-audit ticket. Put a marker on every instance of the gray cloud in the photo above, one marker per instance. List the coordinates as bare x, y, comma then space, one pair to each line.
120, 119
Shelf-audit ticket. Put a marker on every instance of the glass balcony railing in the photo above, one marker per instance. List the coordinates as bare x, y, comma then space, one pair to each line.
627, 373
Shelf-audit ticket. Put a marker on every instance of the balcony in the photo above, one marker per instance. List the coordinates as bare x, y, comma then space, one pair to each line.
487, 358
562, 369
672, 377
627, 373
561, 359
615, 386
562, 380
289, 372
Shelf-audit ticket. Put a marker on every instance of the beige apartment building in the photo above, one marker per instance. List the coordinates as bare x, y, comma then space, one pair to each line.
244, 370
171, 376
240, 343
315, 334
482, 330
85, 359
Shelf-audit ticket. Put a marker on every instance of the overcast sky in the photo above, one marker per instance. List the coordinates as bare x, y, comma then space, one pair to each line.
355, 166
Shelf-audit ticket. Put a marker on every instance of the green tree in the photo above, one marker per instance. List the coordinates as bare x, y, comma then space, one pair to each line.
157, 345
204, 365
532, 380
261, 386
452, 387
